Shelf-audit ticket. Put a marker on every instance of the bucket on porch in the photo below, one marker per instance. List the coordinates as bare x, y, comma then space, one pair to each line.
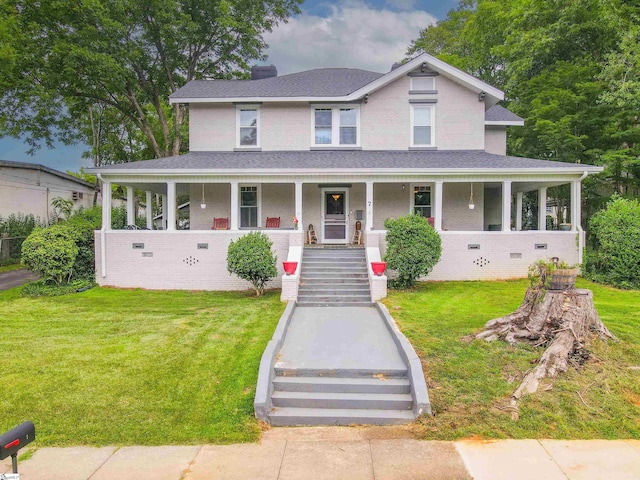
378, 268
290, 267
563, 279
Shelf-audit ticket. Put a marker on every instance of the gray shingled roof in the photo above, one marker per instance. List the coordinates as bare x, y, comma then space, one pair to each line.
501, 114
342, 159
324, 82
42, 168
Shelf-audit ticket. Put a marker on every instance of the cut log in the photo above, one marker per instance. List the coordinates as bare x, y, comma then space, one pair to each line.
563, 321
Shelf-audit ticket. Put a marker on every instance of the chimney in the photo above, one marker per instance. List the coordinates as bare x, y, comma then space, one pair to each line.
396, 65
258, 72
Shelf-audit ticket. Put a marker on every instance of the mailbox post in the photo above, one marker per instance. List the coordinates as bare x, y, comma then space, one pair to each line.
12, 441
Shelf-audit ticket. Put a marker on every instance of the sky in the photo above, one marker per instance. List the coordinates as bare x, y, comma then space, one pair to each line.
366, 34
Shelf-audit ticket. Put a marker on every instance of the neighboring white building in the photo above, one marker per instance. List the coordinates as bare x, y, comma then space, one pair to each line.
336, 148
28, 188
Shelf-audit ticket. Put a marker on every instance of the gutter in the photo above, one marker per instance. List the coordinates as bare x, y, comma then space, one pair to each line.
103, 236
579, 223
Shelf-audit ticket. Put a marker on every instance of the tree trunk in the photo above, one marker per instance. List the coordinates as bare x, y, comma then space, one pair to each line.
563, 321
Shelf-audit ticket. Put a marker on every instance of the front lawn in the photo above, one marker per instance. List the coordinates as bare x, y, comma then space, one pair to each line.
470, 383
125, 367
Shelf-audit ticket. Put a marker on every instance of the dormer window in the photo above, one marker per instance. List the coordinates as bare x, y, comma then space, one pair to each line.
248, 130
336, 126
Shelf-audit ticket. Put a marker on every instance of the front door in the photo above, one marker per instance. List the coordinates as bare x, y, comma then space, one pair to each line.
335, 218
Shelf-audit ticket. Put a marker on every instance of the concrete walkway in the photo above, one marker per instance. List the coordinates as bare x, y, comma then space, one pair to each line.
339, 338
15, 278
328, 453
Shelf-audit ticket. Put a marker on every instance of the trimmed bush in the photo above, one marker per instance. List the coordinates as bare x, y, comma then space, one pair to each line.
413, 249
251, 258
51, 252
616, 233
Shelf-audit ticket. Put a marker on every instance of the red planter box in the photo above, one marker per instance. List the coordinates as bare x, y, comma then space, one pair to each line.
378, 268
290, 267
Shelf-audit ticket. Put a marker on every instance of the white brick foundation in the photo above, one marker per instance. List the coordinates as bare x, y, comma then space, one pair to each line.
172, 260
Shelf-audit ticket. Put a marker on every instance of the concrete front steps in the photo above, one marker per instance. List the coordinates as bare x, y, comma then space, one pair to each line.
333, 277
336, 397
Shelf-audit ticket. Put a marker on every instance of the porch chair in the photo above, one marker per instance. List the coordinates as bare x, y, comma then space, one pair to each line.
312, 238
220, 224
272, 222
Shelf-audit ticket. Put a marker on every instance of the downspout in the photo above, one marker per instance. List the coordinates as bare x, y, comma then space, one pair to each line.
103, 237
579, 222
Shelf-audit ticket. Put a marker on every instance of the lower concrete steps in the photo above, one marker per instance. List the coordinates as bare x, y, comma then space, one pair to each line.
341, 397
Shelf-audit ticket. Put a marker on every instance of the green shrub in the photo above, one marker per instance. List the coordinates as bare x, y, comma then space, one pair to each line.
615, 232
19, 225
44, 289
413, 248
251, 258
51, 252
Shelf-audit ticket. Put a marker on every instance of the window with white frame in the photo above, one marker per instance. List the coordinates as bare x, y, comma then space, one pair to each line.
421, 200
423, 84
335, 126
249, 206
422, 126
248, 121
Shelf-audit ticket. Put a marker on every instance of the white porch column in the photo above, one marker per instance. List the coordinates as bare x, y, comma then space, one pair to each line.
542, 208
519, 211
369, 205
506, 206
164, 212
149, 210
437, 216
106, 205
576, 201
131, 217
235, 210
171, 205
298, 196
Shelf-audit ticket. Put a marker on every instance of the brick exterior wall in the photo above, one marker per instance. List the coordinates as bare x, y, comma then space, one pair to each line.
385, 121
495, 139
501, 255
173, 261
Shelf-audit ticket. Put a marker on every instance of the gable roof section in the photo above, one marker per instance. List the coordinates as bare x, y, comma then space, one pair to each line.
42, 168
498, 115
350, 85
355, 161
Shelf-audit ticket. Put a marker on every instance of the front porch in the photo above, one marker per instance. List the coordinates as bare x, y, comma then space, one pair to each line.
480, 222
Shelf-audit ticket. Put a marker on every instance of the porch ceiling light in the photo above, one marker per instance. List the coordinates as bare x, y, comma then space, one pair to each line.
471, 204
336, 197
203, 205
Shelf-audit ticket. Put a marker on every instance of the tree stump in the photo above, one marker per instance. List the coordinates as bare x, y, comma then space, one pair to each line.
563, 321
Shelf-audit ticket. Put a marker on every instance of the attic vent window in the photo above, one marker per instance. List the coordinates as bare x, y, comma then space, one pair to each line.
423, 84
77, 196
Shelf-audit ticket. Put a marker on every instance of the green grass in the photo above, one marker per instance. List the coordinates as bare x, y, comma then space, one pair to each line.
125, 367
8, 268
469, 383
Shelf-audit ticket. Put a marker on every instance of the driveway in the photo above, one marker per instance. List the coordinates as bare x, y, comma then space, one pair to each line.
15, 278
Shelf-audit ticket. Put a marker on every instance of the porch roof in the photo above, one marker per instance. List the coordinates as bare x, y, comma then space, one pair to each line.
352, 161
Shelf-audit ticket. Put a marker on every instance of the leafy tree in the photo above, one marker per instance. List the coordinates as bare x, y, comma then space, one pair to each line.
62, 206
251, 258
102, 71
413, 248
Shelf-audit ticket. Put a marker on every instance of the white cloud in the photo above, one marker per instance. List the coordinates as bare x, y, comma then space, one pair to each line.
353, 35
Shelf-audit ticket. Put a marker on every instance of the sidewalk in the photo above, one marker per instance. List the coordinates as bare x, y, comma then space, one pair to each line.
327, 453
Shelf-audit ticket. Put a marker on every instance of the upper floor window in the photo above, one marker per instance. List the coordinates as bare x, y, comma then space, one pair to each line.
423, 84
248, 130
336, 126
422, 126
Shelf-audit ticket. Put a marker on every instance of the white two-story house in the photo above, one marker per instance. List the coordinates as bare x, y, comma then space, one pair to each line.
341, 150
